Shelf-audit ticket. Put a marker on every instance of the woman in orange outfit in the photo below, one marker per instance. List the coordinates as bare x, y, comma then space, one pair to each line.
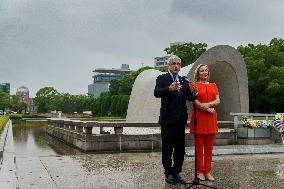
206, 128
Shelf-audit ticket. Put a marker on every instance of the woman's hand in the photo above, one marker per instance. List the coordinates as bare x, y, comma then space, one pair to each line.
211, 110
208, 105
205, 106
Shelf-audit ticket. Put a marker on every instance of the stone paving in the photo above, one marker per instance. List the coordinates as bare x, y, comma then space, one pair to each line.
143, 170
8, 177
259, 166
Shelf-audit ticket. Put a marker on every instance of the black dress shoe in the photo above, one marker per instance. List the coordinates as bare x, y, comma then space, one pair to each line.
170, 179
179, 179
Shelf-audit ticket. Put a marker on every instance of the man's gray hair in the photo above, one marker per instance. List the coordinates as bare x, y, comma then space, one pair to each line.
172, 58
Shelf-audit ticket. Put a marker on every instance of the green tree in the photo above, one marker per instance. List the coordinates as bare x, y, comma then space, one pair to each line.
124, 86
124, 105
95, 108
264, 68
44, 97
63, 102
113, 105
105, 104
114, 87
188, 52
56, 102
118, 106
81, 102
275, 88
90, 102
16, 104
4, 100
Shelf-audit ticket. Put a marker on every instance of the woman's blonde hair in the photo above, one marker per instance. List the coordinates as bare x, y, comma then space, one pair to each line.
196, 72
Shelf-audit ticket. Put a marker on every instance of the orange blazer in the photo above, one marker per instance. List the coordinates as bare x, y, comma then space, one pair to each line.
206, 122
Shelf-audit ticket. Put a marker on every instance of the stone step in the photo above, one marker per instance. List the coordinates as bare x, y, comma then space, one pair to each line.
241, 149
225, 136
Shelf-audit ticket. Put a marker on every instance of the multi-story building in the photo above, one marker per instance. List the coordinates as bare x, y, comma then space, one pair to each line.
5, 87
102, 78
177, 43
161, 61
23, 93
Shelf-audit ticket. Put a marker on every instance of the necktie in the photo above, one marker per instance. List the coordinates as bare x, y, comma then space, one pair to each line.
175, 77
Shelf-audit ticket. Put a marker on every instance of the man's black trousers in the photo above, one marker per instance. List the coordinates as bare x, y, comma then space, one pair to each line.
173, 144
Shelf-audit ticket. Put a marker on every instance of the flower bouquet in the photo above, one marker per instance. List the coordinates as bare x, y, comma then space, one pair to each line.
255, 123
278, 124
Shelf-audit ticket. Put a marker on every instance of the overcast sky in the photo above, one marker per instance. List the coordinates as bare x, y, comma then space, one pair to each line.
59, 42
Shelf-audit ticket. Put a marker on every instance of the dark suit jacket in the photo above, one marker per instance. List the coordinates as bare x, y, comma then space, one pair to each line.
173, 103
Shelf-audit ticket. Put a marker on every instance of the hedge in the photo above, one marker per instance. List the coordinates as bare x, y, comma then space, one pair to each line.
3, 121
15, 116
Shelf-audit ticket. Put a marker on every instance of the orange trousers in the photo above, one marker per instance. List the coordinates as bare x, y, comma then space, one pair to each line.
204, 147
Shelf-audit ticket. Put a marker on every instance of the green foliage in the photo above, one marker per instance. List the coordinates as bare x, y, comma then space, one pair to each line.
124, 105
4, 100
111, 105
3, 121
124, 86
16, 105
43, 98
48, 99
188, 52
33, 116
265, 69
118, 106
115, 102
15, 116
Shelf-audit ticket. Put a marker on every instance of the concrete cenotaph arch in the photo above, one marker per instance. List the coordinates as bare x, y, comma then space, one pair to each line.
227, 70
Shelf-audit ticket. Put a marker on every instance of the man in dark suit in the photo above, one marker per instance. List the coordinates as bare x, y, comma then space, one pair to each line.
173, 91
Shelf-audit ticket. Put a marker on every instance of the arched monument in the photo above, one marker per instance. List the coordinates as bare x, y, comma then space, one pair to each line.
227, 70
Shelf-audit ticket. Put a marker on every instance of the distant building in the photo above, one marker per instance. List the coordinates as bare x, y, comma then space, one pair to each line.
161, 61
103, 77
23, 93
5, 87
177, 43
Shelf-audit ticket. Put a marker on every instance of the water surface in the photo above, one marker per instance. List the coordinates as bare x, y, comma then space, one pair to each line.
34, 141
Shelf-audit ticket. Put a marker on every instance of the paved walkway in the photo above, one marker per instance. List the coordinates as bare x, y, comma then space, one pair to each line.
144, 170
8, 177
259, 166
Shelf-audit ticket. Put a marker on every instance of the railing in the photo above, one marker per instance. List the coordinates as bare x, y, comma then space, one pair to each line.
81, 135
251, 115
127, 136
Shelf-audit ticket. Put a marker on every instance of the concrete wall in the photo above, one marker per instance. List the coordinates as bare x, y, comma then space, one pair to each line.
68, 132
